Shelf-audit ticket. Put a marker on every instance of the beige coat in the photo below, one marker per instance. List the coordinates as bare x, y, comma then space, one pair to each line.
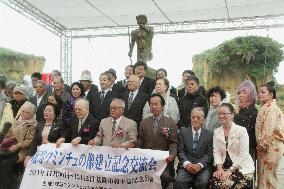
106, 138
238, 148
8, 115
24, 132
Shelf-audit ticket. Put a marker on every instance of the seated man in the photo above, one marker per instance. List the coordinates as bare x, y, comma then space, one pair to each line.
195, 154
82, 127
116, 130
159, 132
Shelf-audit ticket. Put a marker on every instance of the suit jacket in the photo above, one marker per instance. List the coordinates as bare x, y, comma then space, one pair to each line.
136, 110
204, 149
54, 134
106, 138
238, 148
147, 86
40, 107
87, 131
94, 107
147, 139
104, 106
118, 89
123, 83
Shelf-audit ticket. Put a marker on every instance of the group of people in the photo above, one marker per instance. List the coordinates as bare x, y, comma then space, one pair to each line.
216, 144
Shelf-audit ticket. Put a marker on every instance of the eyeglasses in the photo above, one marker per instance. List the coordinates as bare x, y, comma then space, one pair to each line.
115, 107
223, 114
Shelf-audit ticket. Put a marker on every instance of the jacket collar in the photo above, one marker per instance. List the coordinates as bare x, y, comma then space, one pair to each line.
232, 134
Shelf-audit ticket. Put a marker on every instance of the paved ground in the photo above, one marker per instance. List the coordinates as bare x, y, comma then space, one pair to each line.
280, 174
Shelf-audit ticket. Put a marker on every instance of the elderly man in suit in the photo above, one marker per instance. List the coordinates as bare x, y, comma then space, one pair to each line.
40, 99
60, 95
105, 96
159, 132
116, 130
83, 127
195, 154
135, 100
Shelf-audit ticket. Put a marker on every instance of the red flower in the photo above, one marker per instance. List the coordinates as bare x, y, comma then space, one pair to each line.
119, 132
166, 131
86, 130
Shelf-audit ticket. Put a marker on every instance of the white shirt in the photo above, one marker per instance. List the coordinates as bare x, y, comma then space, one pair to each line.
106, 91
87, 92
141, 80
117, 121
38, 99
134, 94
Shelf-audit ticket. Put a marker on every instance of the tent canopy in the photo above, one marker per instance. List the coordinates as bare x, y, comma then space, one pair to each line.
78, 14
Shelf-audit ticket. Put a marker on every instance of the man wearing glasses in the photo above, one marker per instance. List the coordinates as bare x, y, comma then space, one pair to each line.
116, 130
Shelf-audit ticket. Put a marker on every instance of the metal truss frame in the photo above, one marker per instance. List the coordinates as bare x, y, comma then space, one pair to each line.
39, 17
67, 35
66, 58
271, 21
34, 14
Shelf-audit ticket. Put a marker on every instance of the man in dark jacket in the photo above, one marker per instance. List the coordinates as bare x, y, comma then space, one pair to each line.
135, 100
147, 85
192, 99
83, 127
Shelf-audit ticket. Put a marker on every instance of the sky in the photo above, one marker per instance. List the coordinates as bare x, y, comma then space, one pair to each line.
171, 51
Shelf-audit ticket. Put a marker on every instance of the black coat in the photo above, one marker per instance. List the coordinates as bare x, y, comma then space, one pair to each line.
147, 86
187, 103
40, 107
93, 98
118, 89
247, 118
104, 106
87, 132
182, 92
135, 112
55, 133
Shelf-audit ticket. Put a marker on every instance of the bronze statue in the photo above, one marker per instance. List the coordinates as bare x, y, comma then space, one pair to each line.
143, 38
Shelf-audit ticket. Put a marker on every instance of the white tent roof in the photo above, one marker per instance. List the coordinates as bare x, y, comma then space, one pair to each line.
74, 14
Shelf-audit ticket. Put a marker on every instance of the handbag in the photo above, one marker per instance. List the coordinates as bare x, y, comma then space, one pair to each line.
7, 143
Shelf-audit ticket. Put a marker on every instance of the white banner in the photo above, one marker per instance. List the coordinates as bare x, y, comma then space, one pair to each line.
99, 167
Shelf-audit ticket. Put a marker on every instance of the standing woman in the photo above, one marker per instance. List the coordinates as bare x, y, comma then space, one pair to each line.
269, 137
234, 164
171, 109
77, 92
247, 112
215, 97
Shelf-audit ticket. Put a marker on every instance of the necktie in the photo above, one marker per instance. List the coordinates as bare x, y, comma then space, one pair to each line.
113, 126
130, 100
156, 123
80, 124
102, 97
195, 141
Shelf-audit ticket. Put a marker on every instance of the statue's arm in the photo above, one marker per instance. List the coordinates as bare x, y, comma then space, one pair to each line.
131, 44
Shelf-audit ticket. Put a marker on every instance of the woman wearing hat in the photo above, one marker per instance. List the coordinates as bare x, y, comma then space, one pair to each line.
12, 110
14, 148
247, 112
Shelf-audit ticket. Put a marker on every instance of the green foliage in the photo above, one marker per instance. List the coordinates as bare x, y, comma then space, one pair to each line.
8, 54
258, 54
